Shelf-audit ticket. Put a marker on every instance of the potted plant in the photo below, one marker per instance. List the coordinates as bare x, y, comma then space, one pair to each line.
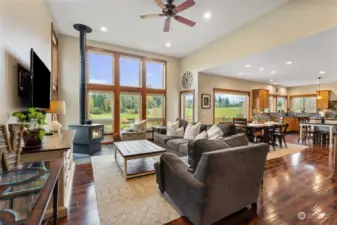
33, 122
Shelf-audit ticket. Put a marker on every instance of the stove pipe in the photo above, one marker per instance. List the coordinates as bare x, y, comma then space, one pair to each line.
83, 29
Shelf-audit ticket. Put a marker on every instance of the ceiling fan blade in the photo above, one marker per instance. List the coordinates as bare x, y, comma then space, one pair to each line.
151, 16
185, 21
187, 4
160, 3
167, 25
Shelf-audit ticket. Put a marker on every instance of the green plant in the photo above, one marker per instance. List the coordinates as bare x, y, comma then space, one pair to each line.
33, 123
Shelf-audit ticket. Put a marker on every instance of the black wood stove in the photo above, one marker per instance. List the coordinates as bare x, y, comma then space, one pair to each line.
88, 136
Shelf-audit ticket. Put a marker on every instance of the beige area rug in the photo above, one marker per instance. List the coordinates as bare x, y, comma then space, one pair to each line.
281, 152
134, 202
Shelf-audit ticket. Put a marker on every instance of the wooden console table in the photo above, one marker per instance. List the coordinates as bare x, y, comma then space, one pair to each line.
57, 147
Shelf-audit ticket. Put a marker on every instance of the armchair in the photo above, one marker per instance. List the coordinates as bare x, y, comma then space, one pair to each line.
225, 181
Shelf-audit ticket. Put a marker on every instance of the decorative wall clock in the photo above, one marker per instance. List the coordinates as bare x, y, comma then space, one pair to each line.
187, 80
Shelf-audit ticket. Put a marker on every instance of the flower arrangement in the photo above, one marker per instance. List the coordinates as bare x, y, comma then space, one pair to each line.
33, 122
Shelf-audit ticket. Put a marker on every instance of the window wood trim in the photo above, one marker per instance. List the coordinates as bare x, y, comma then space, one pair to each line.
192, 91
117, 89
249, 108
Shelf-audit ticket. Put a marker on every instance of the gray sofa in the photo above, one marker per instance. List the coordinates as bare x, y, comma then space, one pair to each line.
226, 179
179, 146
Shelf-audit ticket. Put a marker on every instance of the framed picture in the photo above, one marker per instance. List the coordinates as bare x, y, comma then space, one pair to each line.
205, 101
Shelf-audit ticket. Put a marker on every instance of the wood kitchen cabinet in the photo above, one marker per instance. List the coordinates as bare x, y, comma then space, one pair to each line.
260, 99
323, 102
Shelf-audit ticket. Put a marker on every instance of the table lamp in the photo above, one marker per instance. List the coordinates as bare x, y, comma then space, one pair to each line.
56, 108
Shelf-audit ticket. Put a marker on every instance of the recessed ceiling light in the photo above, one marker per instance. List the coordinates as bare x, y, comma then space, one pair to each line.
273, 71
271, 80
321, 72
168, 44
261, 69
289, 62
240, 74
248, 65
207, 15
104, 29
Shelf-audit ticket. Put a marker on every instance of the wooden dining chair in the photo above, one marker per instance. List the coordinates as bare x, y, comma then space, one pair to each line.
280, 133
240, 124
10, 146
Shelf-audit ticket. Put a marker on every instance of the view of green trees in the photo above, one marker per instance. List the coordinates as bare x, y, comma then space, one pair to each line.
228, 107
100, 109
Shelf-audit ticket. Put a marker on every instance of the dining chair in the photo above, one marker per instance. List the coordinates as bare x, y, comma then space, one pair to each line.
280, 132
240, 124
10, 146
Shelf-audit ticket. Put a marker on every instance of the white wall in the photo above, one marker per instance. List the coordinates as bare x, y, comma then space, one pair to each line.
207, 82
23, 25
69, 76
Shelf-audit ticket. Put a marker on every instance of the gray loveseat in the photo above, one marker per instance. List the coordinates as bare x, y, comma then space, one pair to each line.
223, 181
179, 145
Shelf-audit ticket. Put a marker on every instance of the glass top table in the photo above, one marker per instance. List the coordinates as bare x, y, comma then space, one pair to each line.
25, 193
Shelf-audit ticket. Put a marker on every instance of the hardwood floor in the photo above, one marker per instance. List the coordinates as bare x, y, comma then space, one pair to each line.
292, 184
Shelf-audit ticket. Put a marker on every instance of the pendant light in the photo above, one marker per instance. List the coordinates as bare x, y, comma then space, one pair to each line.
319, 88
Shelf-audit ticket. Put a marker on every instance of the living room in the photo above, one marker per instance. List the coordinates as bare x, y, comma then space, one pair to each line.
268, 63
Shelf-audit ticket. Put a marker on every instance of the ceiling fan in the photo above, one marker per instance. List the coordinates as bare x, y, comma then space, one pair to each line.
170, 11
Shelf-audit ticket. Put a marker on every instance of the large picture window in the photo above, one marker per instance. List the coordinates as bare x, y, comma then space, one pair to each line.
304, 104
187, 105
229, 105
100, 109
155, 110
100, 68
124, 88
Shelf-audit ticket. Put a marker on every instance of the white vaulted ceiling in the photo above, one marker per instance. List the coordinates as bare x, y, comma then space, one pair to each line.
125, 28
309, 56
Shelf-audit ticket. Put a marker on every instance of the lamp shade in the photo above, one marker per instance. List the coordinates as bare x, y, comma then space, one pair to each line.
57, 107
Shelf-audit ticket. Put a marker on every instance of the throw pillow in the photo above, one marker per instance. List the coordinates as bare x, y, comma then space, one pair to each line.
174, 125
141, 126
214, 131
171, 131
236, 140
197, 147
192, 131
202, 135
216, 137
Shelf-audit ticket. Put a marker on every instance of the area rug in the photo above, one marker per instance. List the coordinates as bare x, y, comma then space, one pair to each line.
136, 201
281, 152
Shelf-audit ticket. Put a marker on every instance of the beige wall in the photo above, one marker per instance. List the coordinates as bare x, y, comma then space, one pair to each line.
69, 76
292, 21
23, 25
311, 89
207, 82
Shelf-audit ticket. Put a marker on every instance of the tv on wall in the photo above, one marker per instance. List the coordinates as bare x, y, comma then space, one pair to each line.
34, 86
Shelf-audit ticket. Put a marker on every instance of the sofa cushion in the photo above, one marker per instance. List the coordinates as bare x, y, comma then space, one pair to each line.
236, 140
183, 148
183, 123
175, 143
228, 129
192, 131
162, 138
197, 147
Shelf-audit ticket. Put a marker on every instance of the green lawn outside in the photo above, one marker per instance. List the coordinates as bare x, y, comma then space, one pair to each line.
221, 115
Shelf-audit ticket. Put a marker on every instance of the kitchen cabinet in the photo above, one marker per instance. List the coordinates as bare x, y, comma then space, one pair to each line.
260, 99
323, 102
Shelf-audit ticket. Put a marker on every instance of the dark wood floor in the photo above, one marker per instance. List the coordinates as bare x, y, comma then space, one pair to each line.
293, 184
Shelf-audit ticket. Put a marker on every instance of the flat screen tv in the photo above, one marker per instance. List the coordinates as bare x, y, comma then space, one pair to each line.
35, 91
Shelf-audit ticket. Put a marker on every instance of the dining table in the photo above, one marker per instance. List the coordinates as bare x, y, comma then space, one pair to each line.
265, 127
314, 124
